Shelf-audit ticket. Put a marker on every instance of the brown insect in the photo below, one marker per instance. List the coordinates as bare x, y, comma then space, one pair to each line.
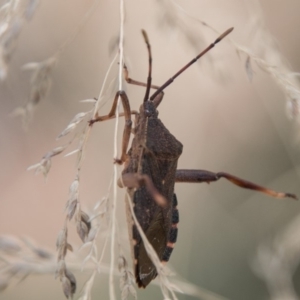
150, 172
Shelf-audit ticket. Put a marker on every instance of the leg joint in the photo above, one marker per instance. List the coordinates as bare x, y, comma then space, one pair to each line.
128, 123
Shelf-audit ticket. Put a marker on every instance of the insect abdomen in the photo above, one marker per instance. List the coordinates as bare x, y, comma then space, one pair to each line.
173, 232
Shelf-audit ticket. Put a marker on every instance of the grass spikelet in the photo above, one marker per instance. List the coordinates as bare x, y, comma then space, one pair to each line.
73, 124
69, 284
40, 81
13, 15
126, 279
83, 226
45, 164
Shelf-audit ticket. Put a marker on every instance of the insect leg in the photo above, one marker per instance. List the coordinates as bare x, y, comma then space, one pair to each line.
136, 180
107, 117
135, 82
128, 123
197, 176
158, 98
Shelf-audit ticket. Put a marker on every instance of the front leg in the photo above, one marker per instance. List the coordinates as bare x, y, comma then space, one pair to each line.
197, 176
128, 123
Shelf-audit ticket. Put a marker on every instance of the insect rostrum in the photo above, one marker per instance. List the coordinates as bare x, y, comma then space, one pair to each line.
150, 172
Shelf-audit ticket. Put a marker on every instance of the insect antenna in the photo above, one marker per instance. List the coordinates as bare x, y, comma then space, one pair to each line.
168, 82
149, 79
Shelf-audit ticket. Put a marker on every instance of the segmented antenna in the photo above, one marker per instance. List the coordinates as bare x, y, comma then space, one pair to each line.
149, 79
167, 83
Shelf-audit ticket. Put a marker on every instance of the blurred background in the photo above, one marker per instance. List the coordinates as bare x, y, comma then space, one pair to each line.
225, 122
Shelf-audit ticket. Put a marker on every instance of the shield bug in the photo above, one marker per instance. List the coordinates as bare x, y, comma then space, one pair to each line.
150, 172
